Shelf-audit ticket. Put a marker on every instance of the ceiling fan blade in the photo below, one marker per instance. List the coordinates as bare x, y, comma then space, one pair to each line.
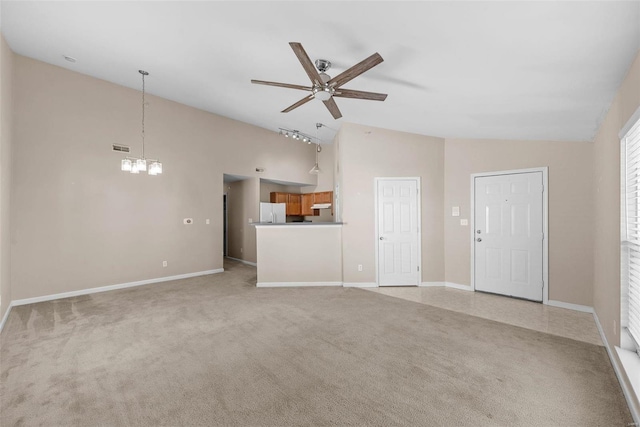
358, 94
306, 63
287, 85
333, 108
299, 103
356, 70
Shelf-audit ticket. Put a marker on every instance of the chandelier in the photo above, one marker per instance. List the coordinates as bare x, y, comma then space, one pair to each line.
139, 164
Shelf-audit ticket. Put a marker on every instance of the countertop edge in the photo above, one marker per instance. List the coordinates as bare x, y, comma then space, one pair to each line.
298, 224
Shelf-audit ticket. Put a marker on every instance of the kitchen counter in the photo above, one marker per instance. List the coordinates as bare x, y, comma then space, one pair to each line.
299, 254
297, 224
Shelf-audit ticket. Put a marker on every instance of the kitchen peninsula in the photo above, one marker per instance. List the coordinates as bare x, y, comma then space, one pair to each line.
299, 254
298, 248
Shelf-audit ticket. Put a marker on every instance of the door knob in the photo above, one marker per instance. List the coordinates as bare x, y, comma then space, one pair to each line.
479, 239
381, 238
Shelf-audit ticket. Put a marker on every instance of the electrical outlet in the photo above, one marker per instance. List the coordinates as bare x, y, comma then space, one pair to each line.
250, 220
164, 263
455, 211
207, 221
464, 222
359, 267
187, 221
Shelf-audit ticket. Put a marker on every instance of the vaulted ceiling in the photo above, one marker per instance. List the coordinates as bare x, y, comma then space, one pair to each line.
508, 70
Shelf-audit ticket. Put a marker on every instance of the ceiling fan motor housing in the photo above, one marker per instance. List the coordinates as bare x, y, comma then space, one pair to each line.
322, 65
323, 92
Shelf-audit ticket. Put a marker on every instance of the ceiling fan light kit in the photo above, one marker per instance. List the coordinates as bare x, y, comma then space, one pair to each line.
325, 88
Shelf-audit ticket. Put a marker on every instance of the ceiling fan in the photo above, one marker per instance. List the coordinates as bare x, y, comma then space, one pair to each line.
323, 86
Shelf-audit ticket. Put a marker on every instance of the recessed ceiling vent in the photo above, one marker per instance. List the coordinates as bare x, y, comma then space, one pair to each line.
120, 148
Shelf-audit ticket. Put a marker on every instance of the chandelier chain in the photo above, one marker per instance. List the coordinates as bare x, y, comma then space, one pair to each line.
143, 115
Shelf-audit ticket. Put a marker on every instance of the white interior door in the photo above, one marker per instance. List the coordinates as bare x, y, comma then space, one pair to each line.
398, 232
508, 239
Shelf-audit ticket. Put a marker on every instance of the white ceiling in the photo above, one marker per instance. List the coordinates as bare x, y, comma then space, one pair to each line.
508, 70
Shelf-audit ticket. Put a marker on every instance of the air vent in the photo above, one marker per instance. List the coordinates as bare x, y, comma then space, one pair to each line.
121, 148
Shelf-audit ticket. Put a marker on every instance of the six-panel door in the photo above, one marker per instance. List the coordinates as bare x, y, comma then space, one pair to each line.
508, 239
397, 232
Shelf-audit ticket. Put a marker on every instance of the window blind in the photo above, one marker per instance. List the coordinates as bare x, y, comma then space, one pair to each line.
631, 230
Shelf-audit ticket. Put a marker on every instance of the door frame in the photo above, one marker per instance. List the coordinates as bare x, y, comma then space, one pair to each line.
376, 180
545, 223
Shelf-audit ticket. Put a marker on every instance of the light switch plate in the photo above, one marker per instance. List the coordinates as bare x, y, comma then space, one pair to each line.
208, 221
464, 222
250, 220
455, 211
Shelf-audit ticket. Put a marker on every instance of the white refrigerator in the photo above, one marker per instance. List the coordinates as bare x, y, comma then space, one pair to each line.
273, 213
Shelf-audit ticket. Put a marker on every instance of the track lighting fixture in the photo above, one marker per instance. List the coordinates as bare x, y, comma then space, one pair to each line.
295, 134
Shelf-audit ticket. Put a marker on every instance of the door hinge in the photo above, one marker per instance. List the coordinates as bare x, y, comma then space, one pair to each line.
418, 268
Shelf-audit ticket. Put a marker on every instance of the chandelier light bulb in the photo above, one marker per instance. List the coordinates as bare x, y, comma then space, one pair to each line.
142, 164
155, 168
134, 168
126, 165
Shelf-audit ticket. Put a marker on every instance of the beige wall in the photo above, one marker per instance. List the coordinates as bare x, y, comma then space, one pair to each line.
6, 138
606, 253
570, 207
299, 253
79, 222
242, 206
366, 153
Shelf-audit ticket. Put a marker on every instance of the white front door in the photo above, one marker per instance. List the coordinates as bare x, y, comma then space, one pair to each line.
508, 238
398, 232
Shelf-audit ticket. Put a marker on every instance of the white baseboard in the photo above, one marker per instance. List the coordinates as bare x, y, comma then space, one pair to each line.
360, 285
112, 287
243, 261
568, 305
430, 284
6, 316
628, 394
457, 286
295, 284
445, 284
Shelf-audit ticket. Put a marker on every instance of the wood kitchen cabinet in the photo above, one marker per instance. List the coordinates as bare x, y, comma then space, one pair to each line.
279, 197
293, 201
324, 197
294, 204
300, 204
307, 202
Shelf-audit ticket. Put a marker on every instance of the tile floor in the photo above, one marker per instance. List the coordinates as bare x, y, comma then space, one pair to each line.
553, 320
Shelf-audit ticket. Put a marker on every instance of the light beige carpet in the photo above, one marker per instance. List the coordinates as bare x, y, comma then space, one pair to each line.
215, 350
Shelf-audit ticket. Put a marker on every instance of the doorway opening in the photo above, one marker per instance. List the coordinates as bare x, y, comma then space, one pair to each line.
225, 233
